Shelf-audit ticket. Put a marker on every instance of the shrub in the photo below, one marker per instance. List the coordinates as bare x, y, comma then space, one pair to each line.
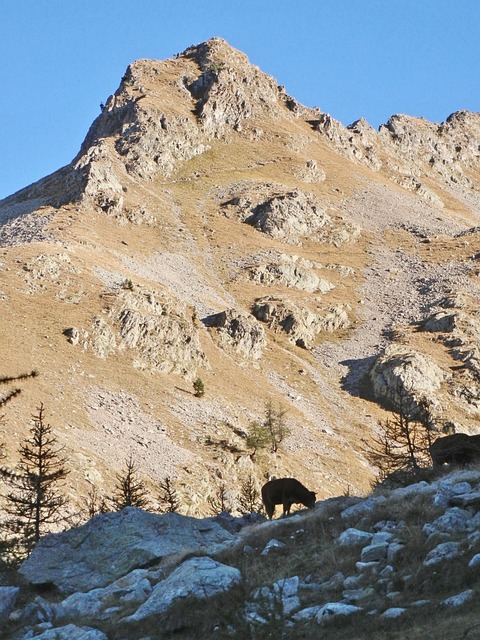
198, 387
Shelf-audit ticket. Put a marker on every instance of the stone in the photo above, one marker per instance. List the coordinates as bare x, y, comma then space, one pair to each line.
475, 561
97, 604
299, 323
353, 536
382, 536
289, 216
442, 552
356, 511
332, 609
454, 519
471, 499
8, 597
393, 612
291, 271
272, 545
200, 577
38, 611
460, 599
309, 613
374, 552
404, 372
71, 632
395, 551
111, 545
239, 332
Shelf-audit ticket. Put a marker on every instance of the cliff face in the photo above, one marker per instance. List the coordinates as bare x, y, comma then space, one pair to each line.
211, 226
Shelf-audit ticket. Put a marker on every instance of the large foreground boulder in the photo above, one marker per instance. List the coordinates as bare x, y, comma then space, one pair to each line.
198, 577
111, 545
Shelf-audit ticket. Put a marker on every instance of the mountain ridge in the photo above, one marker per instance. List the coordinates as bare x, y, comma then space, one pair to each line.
199, 177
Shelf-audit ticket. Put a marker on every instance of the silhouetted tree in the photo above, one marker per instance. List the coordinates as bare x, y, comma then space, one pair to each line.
34, 504
130, 490
405, 438
94, 504
219, 502
168, 498
249, 500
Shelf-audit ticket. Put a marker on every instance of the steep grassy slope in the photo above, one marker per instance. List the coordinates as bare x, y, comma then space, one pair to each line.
148, 233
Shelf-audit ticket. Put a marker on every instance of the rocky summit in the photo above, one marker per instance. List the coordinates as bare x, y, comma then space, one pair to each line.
212, 228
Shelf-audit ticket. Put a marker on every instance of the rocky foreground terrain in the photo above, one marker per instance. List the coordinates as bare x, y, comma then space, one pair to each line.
400, 563
212, 227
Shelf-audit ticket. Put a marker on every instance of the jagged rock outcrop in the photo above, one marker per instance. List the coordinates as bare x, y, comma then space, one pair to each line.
284, 214
238, 331
358, 141
310, 172
112, 544
230, 90
289, 216
458, 322
446, 148
301, 325
156, 328
402, 378
291, 271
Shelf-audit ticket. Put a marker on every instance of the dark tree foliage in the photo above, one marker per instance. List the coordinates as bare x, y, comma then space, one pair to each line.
270, 432
130, 490
34, 503
94, 503
249, 500
403, 445
219, 502
168, 498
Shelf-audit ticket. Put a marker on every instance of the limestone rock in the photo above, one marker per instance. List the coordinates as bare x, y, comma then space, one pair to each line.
402, 375
154, 327
290, 271
358, 141
443, 551
300, 324
445, 148
238, 331
332, 609
99, 604
459, 599
310, 172
353, 536
111, 545
289, 216
229, 90
199, 577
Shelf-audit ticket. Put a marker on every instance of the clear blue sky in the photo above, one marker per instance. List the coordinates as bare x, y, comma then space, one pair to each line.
351, 58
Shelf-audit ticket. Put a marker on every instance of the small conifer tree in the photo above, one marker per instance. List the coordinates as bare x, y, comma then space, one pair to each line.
199, 387
34, 503
219, 502
249, 500
168, 498
130, 490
